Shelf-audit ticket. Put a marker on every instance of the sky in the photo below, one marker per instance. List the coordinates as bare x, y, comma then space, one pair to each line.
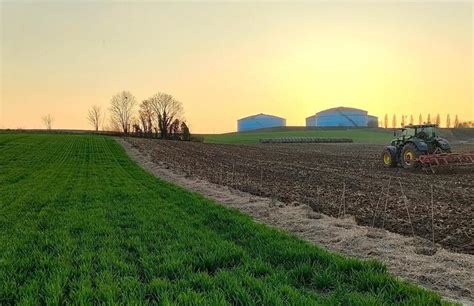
227, 60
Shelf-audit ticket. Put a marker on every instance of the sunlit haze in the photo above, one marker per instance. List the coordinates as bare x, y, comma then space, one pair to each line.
224, 61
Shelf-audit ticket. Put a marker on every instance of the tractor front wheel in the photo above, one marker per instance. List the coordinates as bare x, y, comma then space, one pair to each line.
409, 158
389, 159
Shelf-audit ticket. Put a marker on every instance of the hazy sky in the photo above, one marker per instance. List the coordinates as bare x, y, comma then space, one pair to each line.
230, 60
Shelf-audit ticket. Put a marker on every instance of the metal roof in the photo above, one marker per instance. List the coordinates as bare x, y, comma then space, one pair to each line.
260, 115
340, 109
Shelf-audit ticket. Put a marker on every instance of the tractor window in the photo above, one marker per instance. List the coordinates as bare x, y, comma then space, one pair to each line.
408, 132
428, 131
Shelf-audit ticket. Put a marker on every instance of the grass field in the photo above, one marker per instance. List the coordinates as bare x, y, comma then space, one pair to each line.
358, 135
81, 223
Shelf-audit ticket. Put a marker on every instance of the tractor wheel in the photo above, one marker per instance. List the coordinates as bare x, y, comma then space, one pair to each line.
389, 159
409, 156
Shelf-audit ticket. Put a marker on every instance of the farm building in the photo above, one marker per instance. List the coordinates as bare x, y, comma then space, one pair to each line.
259, 121
342, 116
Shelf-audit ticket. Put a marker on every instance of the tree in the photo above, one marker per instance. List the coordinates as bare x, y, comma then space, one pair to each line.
94, 117
428, 119
411, 120
394, 121
403, 120
448, 121
185, 131
466, 124
456, 121
146, 116
385, 121
420, 119
437, 120
121, 110
48, 121
174, 129
166, 110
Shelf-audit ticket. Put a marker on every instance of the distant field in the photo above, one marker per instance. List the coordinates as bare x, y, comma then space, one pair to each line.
80, 223
374, 136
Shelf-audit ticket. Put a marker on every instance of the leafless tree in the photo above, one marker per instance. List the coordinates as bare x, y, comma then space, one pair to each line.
385, 121
411, 120
185, 131
94, 116
48, 121
174, 130
403, 121
428, 119
420, 119
121, 111
448, 121
456, 121
437, 120
146, 116
394, 121
166, 110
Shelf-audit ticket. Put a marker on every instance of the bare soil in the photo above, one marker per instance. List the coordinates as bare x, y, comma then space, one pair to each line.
412, 258
337, 180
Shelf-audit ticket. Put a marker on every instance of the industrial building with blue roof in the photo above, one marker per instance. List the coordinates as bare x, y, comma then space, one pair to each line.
259, 121
342, 117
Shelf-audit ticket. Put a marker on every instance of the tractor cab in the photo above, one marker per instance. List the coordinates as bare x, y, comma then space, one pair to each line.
425, 132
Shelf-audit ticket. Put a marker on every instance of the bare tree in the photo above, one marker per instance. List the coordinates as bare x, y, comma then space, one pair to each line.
185, 131
146, 116
411, 120
437, 120
456, 121
403, 121
385, 121
174, 130
420, 119
94, 116
121, 111
428, 119
394, 121
166, 109
48, 121
448, 121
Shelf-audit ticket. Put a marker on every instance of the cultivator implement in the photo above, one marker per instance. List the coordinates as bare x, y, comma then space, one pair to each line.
438, 159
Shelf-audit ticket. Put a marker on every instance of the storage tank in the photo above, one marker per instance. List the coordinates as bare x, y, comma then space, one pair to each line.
311, 121
259, 121
372, 121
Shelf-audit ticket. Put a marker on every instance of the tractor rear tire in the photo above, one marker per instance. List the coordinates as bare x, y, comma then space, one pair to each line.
389, 159
409, 158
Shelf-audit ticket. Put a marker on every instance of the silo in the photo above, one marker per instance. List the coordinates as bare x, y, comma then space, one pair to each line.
372, 121
311, 121
259, 121
342, 116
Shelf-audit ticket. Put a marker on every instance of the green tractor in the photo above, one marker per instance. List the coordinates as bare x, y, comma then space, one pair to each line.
415, 146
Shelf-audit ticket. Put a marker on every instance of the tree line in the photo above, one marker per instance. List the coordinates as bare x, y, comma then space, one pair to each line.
409, 119
160, 116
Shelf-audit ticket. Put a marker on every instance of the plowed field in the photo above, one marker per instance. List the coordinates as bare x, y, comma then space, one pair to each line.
337, 179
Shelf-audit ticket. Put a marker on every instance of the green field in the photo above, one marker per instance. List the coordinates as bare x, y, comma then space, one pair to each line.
375, 136
80, 223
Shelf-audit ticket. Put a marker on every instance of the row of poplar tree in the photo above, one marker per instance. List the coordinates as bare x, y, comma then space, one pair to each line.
405, 120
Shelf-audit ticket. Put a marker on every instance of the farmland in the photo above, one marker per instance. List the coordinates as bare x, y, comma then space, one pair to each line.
337, 179
252, 137
81, 223
365, 135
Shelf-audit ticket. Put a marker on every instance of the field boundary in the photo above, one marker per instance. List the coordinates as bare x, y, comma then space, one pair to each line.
446, 272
